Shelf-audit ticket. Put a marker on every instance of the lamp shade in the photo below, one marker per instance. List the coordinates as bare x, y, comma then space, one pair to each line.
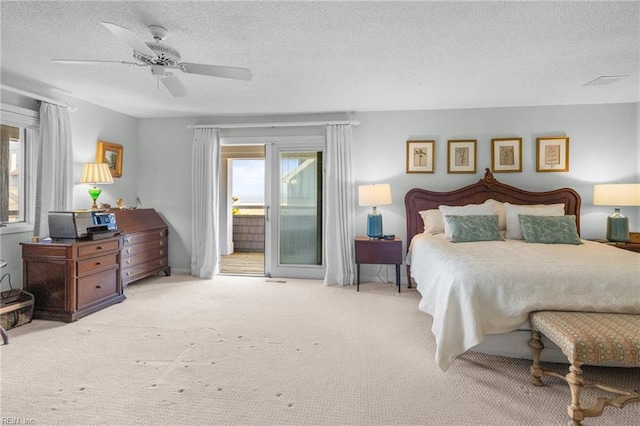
96, 173
374, 195
621, 194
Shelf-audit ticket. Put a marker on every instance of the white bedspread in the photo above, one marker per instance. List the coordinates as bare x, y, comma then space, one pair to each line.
480, 288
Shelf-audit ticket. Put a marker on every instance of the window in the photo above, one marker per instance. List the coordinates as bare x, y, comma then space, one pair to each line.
18, 136
12, 151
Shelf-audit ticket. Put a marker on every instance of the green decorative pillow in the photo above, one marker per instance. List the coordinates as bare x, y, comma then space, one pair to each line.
550, 229
474, 228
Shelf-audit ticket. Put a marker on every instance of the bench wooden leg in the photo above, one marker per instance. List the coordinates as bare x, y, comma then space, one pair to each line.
576, 383
536, 346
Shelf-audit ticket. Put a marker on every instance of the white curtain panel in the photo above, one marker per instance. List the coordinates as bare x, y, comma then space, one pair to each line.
339, 197
205, 176
54, 181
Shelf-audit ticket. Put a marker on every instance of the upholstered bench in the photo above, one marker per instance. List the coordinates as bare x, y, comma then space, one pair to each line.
587, 337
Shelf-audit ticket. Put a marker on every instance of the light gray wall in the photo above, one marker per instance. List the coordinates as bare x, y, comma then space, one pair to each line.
157, 158
89, 124
603, 148
164, 181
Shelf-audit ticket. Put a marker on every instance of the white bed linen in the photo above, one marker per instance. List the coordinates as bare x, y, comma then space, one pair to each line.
479, 288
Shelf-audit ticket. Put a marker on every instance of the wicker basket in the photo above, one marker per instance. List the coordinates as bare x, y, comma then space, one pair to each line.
15, 312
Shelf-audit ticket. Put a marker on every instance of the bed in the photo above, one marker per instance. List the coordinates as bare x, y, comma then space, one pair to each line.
480, 293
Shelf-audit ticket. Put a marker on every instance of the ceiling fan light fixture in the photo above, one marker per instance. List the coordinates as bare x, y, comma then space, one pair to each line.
159, 33
158, 71
165, 55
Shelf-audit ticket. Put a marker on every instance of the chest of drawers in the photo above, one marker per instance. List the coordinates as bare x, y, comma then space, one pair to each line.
145, 245
74, 279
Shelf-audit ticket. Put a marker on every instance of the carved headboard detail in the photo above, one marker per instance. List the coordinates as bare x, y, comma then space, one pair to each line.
488, 187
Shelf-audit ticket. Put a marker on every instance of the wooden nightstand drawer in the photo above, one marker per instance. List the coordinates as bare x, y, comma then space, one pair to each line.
378, 251
97, 286
631, 246
98, 247
384, 252
97, 263
154, 246
143, 237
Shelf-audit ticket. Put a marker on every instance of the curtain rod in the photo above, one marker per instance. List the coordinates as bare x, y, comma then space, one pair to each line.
274, 124
37, 97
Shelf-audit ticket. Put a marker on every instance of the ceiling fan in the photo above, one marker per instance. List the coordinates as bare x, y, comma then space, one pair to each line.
161, 57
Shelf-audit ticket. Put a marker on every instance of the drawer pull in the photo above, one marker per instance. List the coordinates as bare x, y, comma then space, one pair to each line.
98, 263
99, 248
98, 286
128, 261
128, 273
128, 239
160, 243
128, 250
161, 234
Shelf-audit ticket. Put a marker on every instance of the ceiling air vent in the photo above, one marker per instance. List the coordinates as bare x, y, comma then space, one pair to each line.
603, 80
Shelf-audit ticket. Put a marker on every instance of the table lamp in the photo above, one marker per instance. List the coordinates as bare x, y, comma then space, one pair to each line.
618, 195
373, 196
95, 173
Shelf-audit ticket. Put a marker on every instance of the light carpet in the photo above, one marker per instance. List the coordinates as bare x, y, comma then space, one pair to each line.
254, 351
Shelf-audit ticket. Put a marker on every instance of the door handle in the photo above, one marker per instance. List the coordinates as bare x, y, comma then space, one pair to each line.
266, 213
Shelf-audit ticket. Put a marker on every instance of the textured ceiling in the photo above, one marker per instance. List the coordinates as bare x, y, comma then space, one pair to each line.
311, 57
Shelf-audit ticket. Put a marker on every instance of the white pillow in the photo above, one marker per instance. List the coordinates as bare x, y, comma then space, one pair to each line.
468, 210
433, 221
514, 230
498, 208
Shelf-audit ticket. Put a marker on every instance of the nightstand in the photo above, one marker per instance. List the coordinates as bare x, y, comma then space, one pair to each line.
381, 252
626, 246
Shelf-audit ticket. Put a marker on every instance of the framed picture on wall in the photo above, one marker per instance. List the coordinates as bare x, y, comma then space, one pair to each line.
461, 156
110, 153
552, 154
506, 155
420, 155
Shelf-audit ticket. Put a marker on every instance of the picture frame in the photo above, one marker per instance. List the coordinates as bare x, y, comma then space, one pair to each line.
112, 154
420, 156
461, 156
552, 154
506, 155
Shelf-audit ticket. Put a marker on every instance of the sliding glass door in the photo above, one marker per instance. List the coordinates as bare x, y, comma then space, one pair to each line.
295, 212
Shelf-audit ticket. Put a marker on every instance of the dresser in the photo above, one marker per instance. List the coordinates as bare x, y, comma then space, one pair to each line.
70, 280
145, 245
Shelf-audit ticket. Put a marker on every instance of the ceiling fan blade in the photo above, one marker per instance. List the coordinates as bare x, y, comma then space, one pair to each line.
174, 85
130, 38
83, 62
216, 71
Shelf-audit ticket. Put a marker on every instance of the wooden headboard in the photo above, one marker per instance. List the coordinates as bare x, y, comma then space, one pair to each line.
488, 187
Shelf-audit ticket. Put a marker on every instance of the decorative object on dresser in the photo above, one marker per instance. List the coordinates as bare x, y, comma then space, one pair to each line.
70, 280
420, 155
373, 196
617, 195
145, 246
461, 156
552, 154
95, 173
381, 252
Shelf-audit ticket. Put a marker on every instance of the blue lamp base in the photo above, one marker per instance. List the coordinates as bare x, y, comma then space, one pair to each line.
617, 227
374, 224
